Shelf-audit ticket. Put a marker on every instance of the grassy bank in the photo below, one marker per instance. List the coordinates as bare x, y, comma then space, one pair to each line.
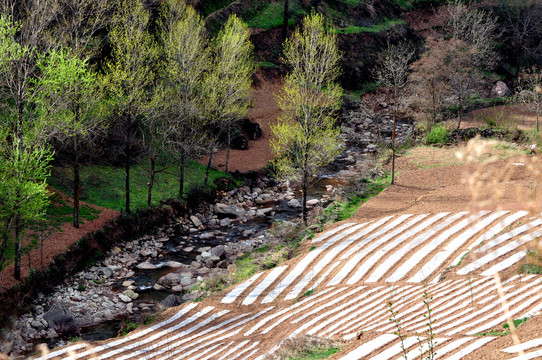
103, 185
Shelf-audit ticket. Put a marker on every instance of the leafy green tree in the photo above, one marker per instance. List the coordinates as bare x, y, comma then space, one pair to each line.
186, 54
228, 83
67, 101
24, 197
22, 151
306, 138
130, 73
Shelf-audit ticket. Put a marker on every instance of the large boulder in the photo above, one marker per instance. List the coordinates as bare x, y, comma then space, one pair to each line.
500, 89
223, 210
59, 318
170, 301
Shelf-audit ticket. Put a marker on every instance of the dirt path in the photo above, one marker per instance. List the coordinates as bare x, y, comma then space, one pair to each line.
57, 243
265, 112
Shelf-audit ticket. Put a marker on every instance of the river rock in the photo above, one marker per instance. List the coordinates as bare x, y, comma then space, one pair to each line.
128, 283
170, 301
173, 264
39, 324
206, 254
158, 287
145, 252
313, 202
178, 288
125, 298
131, 294
147, 266
186, 281
219, 251
61, 320
207, 236
225, 222
294, 203
196, 221
224, 210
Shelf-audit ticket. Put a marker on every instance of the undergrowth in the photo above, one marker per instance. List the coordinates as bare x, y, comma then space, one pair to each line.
306, 348
358, 193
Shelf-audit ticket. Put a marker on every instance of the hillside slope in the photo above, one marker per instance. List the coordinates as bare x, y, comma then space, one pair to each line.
355, 265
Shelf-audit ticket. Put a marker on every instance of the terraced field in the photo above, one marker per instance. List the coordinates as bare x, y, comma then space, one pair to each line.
343, 289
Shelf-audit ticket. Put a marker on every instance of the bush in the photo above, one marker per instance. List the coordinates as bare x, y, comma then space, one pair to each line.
198, 195
437, 135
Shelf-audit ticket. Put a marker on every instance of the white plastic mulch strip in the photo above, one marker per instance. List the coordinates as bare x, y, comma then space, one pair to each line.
331, 232
396, 349
362, 351
333, 253
306, 261
128, 338
506, 236
423, 350
524, 346
469, 348
442, 256
355, 259
503, 250
269, 279
396, 256
415, 259
238, 290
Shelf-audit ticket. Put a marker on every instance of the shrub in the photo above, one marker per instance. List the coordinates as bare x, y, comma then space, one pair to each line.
437, 135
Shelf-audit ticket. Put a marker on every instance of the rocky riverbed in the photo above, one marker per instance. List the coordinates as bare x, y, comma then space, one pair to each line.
141, 276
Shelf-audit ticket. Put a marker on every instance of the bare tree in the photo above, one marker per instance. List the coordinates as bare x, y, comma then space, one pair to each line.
392, 72
468, 51
429, 80
523, 21
529, 92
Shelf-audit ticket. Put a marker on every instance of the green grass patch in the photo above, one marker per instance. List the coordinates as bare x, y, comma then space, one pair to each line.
377, 28
210, 6
342, 210
517, 322
317, 353
127, 326
353, 2
272, 16
103, 185
266, 64
306, 294
355, 95
530, 269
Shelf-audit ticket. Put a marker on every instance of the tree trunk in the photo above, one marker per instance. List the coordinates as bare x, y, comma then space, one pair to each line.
208, 167
151, 183
537, 128
17, 268
76, 183
228, 148
286, 18
393, 151
127, 166
304, 201
181, 175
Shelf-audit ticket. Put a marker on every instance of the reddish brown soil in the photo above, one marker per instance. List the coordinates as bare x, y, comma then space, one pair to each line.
265, 112
57, 243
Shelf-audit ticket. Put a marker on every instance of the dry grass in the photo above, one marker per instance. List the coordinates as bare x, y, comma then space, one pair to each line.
306, 347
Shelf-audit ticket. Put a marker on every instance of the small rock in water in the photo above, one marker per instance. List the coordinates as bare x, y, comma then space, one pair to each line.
173, 264
125, 298
206, 254
294, 203
188, 249
225, 222
128, 283
313, 202
195, 220
147, 266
